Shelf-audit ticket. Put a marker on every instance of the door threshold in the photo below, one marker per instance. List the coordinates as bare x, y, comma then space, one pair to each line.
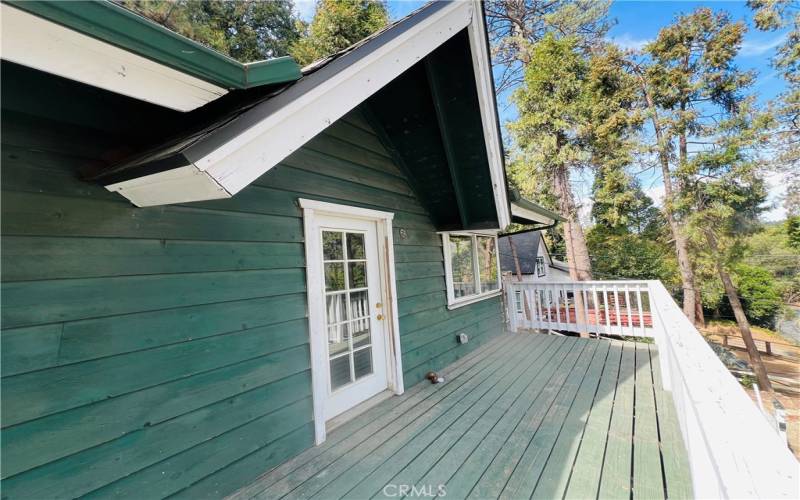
357, 410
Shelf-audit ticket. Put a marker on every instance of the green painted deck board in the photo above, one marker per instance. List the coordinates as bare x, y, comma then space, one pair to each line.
647, 478
436, 463
616, 479
392, 454
378, 416
585, 478
555, 476
673, 455
359, 442
487, 437
496, 476
533, 461
522, 415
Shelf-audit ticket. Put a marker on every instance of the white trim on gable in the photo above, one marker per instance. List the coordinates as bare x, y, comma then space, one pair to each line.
44, 45
485, 85
530, 215
294, 117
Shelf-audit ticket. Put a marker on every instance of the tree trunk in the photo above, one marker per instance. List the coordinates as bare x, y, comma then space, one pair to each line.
693, 300
741, 319
580, 266
517, 267
690, 297
700, 318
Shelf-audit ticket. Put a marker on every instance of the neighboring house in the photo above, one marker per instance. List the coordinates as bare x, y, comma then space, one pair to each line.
535, 262
205, 262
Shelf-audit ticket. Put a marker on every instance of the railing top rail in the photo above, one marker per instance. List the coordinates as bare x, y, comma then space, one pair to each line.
718, 419
571, 282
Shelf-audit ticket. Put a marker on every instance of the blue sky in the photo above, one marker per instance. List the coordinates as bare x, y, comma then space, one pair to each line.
638, 22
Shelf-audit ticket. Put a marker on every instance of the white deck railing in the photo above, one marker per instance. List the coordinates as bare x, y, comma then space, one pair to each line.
733, 451
604, 307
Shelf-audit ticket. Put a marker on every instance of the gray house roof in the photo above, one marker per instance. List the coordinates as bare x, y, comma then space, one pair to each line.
527, 246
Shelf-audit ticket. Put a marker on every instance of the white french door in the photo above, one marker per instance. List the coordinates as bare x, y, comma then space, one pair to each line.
354, 316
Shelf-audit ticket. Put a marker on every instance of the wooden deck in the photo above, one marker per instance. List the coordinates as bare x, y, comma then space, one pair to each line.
524, 416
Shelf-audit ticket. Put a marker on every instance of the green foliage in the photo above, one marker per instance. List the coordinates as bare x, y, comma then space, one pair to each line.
575, 112
704, 98
631, 256
515, 27
621, 206
246, 30
747, 381
772, 249
771, 15
759, 293
793, 232
337, 24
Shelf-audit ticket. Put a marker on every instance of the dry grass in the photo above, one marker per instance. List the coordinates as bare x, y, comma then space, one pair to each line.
725, 327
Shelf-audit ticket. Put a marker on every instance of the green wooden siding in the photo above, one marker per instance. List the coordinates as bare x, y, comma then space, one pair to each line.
164, 351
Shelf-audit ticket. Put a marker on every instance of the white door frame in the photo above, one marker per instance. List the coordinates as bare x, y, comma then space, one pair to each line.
316, 305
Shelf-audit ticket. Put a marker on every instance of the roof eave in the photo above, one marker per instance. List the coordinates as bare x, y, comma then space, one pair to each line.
236, 154
107, 46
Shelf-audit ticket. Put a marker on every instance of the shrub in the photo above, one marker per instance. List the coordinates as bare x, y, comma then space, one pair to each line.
760, 294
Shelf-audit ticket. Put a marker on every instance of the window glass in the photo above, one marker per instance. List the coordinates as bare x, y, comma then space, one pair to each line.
487, 263
461, 257
347, 307
540, 269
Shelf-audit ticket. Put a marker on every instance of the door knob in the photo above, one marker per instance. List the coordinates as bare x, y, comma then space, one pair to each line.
380, 317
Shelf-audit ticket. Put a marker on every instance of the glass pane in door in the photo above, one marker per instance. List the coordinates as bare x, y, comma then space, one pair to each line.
347, 312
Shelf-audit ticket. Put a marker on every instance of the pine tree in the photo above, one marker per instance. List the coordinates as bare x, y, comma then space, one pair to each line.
689, 77
514, 26
247, 30
771, 15
723, 192
575, 112
337, 24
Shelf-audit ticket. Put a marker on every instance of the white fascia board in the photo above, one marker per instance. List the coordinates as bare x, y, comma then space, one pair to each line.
485, 85
295, 120
178, 185
519, 211
38, 43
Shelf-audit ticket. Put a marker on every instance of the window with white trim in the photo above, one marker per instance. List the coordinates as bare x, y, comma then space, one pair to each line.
541, 270
471, 267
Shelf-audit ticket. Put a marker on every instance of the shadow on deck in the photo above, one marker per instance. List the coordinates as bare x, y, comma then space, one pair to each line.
524, 416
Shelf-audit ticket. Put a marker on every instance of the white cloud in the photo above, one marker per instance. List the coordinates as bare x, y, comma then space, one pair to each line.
776, 186
753, 48
656, 193
628, 41
585, 211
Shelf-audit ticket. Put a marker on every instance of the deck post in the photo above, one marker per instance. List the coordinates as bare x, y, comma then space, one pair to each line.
660, 337
511, 305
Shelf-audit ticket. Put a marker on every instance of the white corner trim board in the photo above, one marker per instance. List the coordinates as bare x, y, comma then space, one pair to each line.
37, 43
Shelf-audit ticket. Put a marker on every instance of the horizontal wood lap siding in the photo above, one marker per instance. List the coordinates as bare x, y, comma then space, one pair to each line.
164, 351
